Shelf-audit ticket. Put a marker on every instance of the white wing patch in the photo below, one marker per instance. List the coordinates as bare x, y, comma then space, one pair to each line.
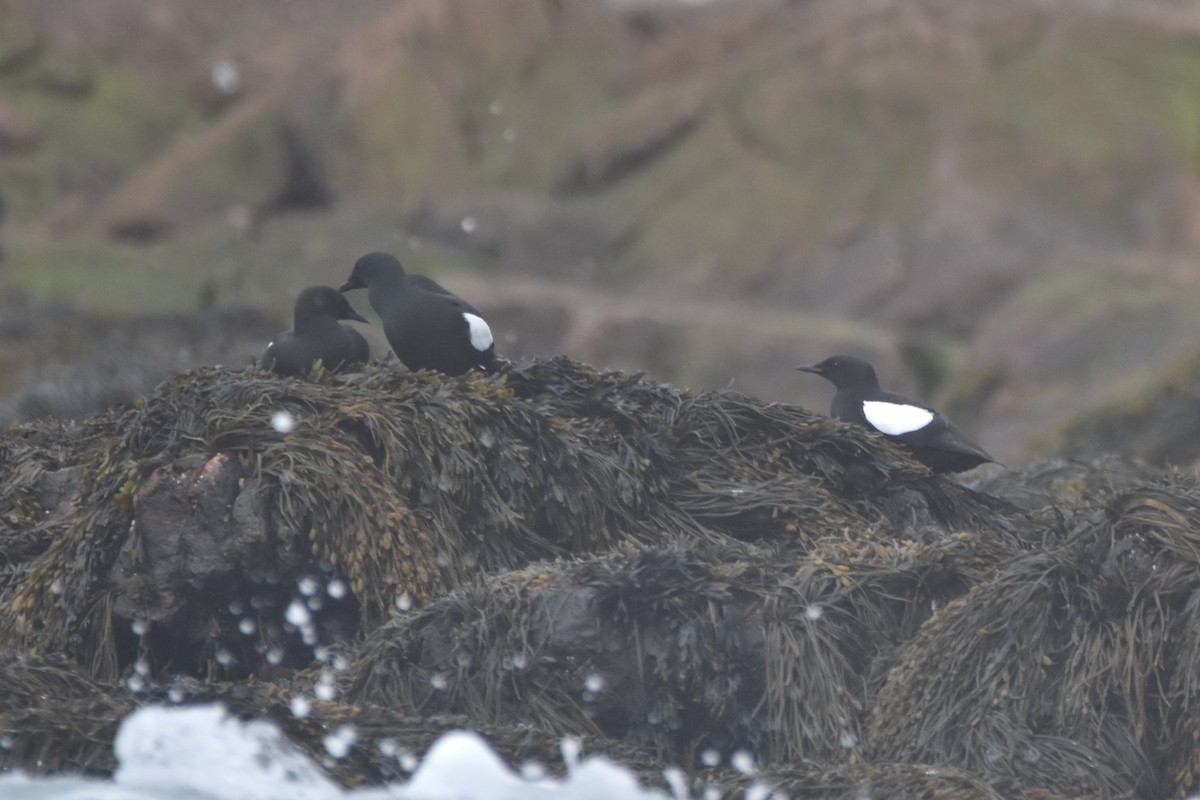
481, 334
896, 419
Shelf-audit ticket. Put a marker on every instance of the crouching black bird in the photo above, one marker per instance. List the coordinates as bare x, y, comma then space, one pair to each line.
427, 326
931, 438
317, 335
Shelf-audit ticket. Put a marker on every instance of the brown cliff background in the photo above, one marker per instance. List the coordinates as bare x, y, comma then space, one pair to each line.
1000, 206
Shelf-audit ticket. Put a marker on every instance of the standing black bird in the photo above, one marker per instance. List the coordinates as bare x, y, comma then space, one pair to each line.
427, 326
317, 334
931, 438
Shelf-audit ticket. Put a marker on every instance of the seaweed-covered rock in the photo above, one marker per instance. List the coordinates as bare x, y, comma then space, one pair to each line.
682, 650
1072, 668
54, 718
191, 502
557, 550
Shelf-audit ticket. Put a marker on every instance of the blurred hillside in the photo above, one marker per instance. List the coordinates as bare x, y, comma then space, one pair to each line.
997, 203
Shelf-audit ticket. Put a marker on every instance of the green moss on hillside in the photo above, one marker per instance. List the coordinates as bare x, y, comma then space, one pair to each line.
90, 138
405, 136
103, 278
1099, 90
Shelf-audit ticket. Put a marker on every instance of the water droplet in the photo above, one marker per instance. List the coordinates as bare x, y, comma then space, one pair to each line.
439, 681
283, 421
757, 791
237, 608
404, 601
336, 747
533, 770
140, 627
710, 756
848, 739
408, 761
247, 626
225, 658
6, 742
301, 706
135, 683
326, 690
743, 762
571, 747
677, 780
519, 661
468, 225
275, 655
336, 589
226, 77
176, 695
141, 667
56, 587
297, 614
813, 612
316, 602
594, 682
338, 743
309, 585
387, 747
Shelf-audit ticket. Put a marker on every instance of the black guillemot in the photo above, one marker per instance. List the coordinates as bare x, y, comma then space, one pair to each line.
317, 335
930, 437
427, 326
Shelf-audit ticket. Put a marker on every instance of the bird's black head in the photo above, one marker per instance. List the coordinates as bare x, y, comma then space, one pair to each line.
370, 268
845, 372
324, 301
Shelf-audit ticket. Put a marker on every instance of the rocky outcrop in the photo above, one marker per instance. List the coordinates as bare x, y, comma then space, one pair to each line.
674, 576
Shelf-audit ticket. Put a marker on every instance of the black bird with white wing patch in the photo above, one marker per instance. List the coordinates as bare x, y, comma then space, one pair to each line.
427, 326
931, 438
317, 335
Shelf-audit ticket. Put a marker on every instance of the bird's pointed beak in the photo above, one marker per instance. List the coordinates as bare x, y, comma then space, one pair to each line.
349, 285
354, 315
813, 368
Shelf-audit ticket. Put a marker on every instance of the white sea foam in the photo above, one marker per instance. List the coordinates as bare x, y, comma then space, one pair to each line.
201, 752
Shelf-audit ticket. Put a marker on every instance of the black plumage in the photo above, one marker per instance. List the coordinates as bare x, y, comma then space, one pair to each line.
317, 335
923, 431
427, 326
